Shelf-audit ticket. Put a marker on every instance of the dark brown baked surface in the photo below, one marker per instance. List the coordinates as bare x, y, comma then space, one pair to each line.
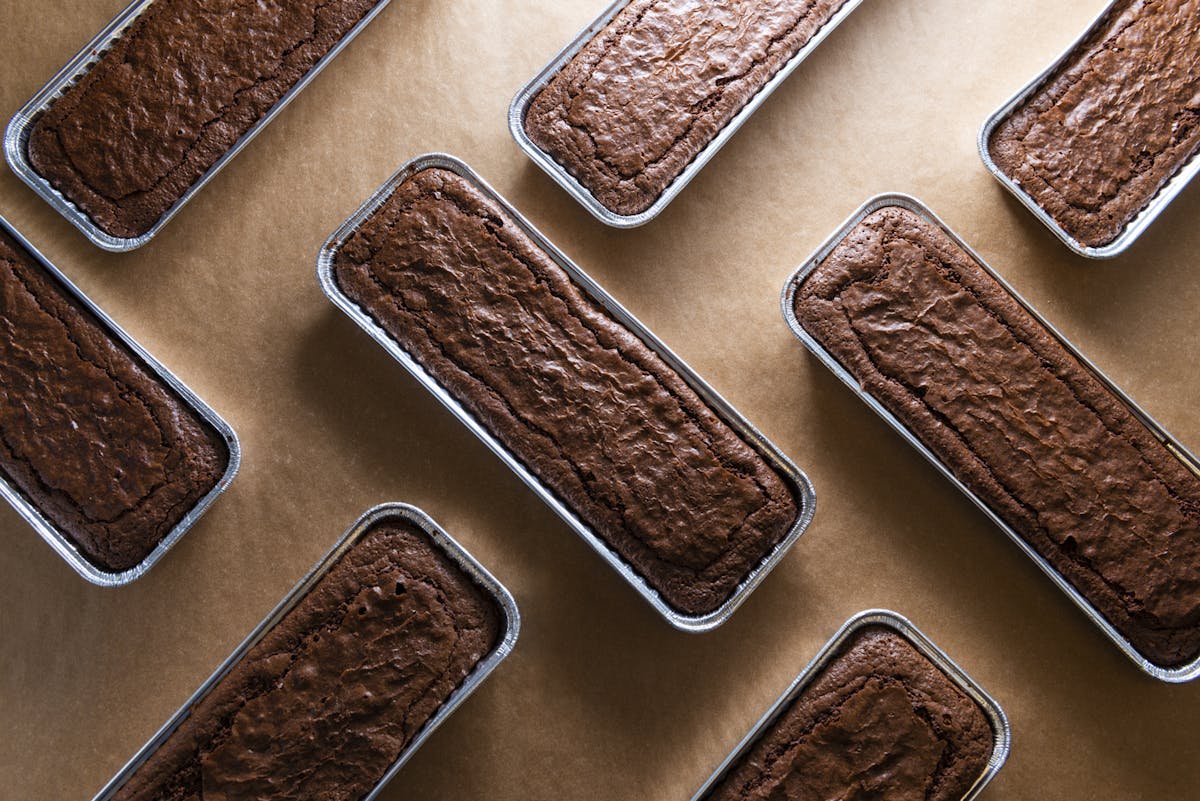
632, 109
879, 721
323, 705
1113, 124
582, 402
100, 445
174, 93
1028, 428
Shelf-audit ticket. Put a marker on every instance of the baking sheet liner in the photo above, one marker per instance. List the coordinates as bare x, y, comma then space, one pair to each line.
520, 107
16, 135
383, 512
1182, 673
57, 538
1001, 731
797, 481
1144, 218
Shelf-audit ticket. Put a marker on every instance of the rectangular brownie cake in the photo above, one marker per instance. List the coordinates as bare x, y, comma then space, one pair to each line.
1029, 429
879, 721
172, 95
328, 699
652, 89
1103, 134
592, 411
99, 444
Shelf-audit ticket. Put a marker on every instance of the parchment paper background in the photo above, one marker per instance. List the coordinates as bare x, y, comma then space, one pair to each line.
601, 700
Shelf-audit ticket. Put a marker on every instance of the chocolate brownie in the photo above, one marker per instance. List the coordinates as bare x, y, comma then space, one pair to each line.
172, 95
574, 394
652, 89
104, 449
879, 721
325, 703
1030, 430
1098, 140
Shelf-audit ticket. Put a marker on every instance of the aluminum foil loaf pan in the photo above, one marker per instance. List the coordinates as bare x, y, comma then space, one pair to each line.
1178, 673
519, 110
793, 478
1142, 220
53, 533
877, 618
333, 716
16, 136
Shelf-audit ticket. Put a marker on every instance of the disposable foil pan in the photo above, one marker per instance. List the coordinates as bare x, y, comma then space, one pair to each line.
1138, 224
797, 481
1001, 732
520, 107
58, 539
16, 136
384, 512
1169, 674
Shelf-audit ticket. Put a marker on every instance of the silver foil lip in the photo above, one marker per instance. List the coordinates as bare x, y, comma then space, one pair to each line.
375, 515
1182, 673
16, 135
1141, 221
52, 534
797, 481
519, 107
1001, 730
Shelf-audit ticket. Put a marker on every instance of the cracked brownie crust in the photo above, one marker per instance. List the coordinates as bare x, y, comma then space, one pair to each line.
879, 721
1029, 429
632, 109
1113, 124
174, 93
324, 704
580, 400
102, 447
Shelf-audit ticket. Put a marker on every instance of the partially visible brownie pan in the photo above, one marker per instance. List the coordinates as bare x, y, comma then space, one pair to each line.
130, 134
643, 102
881, 713
1031, 430
1100, 136
343, 681
101, 448
675, 487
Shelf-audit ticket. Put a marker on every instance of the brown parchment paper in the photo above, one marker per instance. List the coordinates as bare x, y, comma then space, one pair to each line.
601, 701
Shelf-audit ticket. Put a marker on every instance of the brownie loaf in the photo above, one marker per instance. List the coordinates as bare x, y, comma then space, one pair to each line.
105, 450
879, 721
577, 397
632, 109
1098, 140
1021, 422
172, 95
325, 703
